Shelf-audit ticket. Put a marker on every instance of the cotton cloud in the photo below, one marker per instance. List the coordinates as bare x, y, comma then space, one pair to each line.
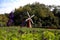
7, 6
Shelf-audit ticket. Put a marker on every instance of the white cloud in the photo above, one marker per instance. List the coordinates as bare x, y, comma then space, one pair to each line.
50, 2
9, 6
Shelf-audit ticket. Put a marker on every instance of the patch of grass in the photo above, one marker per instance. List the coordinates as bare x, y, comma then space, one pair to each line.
18, 33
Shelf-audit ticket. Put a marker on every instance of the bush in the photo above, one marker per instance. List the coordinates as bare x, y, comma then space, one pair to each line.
49, 35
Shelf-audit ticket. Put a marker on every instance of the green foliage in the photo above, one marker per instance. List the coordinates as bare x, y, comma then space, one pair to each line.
12, 33
43, 16
49, 35
3, 20
39, 10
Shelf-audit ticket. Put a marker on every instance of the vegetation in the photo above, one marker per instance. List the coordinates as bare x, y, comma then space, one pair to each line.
3, 20
43, 16
17, 33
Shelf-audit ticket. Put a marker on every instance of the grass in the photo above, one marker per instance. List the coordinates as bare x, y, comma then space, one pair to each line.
23, 33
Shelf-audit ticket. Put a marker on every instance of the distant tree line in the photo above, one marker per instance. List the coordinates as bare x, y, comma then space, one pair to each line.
43, 18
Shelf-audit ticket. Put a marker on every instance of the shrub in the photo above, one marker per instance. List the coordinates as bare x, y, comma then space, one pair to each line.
48, 35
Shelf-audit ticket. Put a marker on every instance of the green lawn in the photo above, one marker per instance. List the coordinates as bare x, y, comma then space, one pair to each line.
18, 33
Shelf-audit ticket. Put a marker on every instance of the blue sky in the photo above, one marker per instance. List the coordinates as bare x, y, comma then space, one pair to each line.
7, 6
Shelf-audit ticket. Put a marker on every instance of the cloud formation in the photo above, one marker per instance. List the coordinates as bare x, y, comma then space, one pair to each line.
7, 6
